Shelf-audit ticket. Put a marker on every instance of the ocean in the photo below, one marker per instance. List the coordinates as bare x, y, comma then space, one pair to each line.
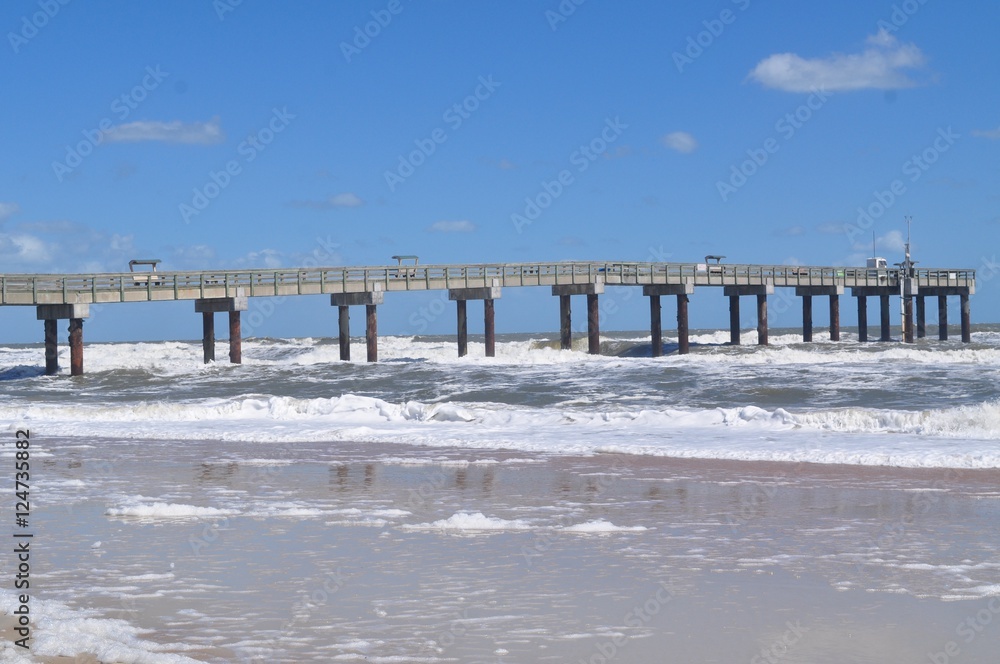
542, 505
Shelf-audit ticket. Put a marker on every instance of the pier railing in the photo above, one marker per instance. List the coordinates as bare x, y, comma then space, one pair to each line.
29, 289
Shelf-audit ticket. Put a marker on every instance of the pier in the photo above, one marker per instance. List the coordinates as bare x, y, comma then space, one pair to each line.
69, 296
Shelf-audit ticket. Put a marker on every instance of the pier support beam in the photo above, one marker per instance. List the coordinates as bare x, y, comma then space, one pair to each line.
51, 348
884, 310
943, 317
907, 320
654, 292
862, 318
807, 318
208, 335
463, 329
655, 325
371, 332
593, 325
235, 338
565, 323
75, 346
208, 307
761, 319
487, 294
591, 290
835, 316
966, 319
734, 293
807, 293
683, 340
370, 300
921, 318
344, 332
734, 320
489, 321
75, 313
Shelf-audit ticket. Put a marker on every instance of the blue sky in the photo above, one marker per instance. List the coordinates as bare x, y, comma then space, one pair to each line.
262, 134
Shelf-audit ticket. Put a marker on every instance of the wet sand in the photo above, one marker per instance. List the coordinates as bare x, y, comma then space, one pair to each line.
396, 553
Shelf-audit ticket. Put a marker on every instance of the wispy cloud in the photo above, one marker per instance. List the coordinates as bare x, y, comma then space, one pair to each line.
881, 66
790, 231
681, 141
987, 133
452, 227
192, 133
344, 200
8, 210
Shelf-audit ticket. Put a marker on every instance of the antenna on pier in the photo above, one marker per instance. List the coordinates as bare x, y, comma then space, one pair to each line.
907, 258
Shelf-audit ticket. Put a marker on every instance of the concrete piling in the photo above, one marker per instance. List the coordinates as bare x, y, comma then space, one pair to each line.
487, 294
761, 319
463, 329
921, 318
75, 313
593, 325
76, 346
807, 318
591, 290
834, 317
208, 307
655, 325
966, 318
371, 332
489, 324
344, 332
884, 310
862, 318
235, 338
943, 317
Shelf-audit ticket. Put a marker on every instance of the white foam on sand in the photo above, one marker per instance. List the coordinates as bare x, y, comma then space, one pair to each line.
471, 521
600, 527
59, 630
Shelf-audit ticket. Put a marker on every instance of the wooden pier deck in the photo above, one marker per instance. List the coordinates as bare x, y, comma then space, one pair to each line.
68, 296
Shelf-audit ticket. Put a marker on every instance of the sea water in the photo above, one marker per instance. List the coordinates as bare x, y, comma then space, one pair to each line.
517, 508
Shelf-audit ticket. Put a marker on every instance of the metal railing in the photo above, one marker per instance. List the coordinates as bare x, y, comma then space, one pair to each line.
24, 289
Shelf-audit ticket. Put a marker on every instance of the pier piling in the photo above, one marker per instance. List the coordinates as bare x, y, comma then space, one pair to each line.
76, 346
463, 329
344, 332
966, 318
834, 317
593, 325
942, 317
208, 307
591, 290
761, 319
235, 338
51, 348
921, 318
862, 318
807, 318
655, 325
654, 292
884, 310
487, 294
371, 332
75, 313
734, 320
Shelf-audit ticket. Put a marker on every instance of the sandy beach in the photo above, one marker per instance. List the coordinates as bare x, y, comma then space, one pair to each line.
386, 553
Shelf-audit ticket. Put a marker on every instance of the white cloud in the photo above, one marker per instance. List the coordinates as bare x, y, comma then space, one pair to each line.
452, 227
893, 241
681, 141
882, 66
987, 133
7, 210
346, 199
24, 249
195, 133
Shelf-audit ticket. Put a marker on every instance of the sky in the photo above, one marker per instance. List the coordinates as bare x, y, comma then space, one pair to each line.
245, 133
